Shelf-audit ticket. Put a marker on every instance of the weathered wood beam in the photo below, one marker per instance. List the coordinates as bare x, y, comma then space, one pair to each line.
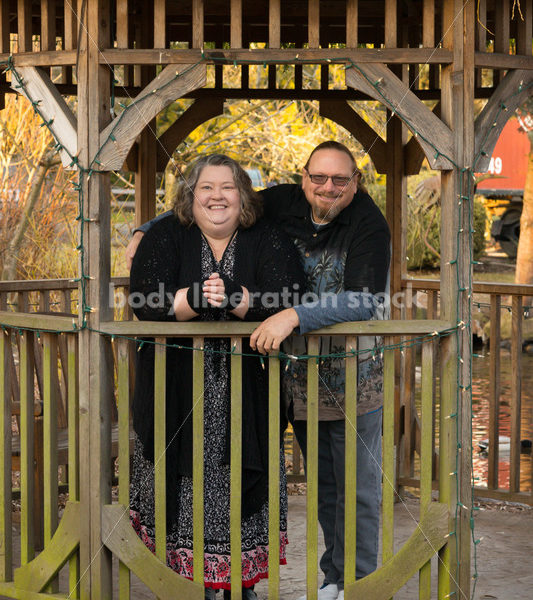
198, 113
121, 539
237, 328
39, 572
42, 59
434, 136
414, 155
343, 114
39, 88
492, 119
494, 60
259, 56
161, 92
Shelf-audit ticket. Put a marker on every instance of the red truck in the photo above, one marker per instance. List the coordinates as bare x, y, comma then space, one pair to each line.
504, 191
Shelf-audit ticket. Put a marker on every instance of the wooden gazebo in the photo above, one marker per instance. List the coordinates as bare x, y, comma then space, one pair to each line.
165, 49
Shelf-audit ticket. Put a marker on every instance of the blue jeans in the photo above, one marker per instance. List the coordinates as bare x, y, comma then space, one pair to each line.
331, 459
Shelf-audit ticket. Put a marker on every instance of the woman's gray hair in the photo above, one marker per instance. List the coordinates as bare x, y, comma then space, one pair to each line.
251, 204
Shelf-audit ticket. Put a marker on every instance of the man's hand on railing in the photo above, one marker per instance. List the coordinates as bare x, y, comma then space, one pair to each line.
272, 331
131, 248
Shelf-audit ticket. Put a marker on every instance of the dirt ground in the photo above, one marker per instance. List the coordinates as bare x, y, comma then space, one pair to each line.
504, 556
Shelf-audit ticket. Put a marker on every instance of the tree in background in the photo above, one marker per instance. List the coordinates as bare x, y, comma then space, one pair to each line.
524, 257
37, 203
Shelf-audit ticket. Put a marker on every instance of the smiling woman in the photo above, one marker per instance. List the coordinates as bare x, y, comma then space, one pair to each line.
208, 261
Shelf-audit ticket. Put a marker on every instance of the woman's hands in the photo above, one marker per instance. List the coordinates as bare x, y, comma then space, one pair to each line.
217, 291
214, 290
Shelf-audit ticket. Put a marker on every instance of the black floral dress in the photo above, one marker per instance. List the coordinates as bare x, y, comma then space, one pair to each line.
254, 528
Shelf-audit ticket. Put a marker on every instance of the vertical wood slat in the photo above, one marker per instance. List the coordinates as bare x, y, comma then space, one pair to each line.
296, 456
50, 388
516, 393
388, 453
391, 24
428, 24
274, 24
50, 479
5, 44
44, 300
160, 27
124, 579
481, 35
236, 468
432, 313
124, 37
313, 23
352, 23
70, 36
523, 43
198, 464
73, 450
350, 473
501, 32
27, 550
312, 467
48, 25
409, 399
24, 25
6, 548
428, 35
236, 24
197, 23
273, 476
426, 453
494, 390
160, 442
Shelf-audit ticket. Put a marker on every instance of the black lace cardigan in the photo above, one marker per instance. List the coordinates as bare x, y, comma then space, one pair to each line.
168, 259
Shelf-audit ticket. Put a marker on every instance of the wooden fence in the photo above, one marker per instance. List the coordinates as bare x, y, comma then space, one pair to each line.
35, 574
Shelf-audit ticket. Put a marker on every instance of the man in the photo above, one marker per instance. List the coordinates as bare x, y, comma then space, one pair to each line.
344, 243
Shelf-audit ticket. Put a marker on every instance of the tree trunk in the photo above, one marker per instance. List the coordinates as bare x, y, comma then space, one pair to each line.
9, 271
524, 258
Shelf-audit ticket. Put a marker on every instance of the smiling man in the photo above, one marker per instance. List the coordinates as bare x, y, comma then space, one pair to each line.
344, 243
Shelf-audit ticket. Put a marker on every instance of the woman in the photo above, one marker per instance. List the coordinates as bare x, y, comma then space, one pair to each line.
212, 260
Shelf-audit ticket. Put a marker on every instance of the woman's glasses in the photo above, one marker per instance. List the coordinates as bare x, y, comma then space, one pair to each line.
337, 180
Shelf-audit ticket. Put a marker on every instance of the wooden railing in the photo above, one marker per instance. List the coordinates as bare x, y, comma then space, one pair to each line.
41, 572
494, 300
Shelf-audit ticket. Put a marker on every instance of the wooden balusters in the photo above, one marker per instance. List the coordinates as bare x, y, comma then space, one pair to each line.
160, 28
24, 25
516, 392
198, 465
313, 349
48, 25
313, 23
524, 28
501, 33
494, 390
352, 18
197, 23
274, 446
124, 582
6, 549
236, 468
350, 472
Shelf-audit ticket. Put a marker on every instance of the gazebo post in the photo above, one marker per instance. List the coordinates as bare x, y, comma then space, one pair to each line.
96, 365
456, 277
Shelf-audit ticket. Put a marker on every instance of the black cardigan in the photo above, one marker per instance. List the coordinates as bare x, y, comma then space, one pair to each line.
168, 259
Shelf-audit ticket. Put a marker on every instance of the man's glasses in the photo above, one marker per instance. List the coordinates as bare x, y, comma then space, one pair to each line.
337, 180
